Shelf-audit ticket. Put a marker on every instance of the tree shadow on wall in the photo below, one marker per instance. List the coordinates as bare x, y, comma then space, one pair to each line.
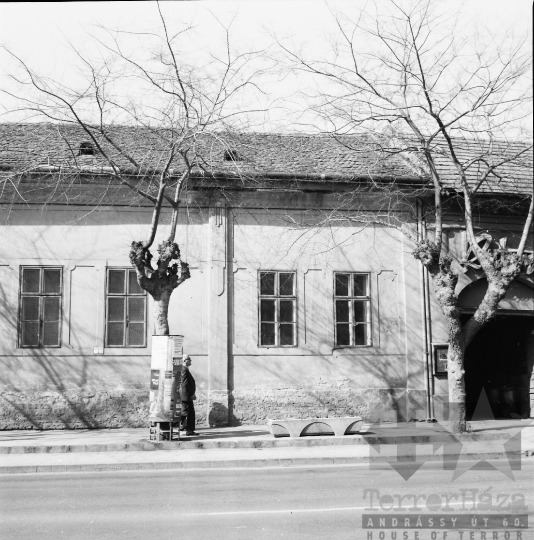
388, 368
337, 392
387, 402
36, 398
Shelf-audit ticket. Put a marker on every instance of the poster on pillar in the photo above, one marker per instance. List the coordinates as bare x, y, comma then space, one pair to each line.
164, 372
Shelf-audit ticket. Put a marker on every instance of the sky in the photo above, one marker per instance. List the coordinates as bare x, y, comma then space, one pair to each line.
43, 34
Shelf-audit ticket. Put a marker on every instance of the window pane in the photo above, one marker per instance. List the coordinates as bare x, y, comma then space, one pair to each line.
51, 334
136, 309
287, 333
136, 334
30, 280
343, 334
52, 281
287, 284
360, 311
30, 334
360, 285
133, 286
342, 311
116, 281
268, 309
267, 336
342, 285
51, 309
361, 334
115, 335
287, 310
115, 309
30, 308
267, 283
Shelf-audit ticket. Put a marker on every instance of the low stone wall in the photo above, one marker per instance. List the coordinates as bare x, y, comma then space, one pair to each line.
96, 408
79, 409
256, 406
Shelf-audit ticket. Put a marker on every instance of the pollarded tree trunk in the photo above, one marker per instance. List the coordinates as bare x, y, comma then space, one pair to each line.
444, 280
457, 396
161, 313
159, 282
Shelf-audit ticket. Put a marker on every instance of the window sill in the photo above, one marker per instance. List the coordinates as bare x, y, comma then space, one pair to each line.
28, 348
130, 348
277, 346
343, 347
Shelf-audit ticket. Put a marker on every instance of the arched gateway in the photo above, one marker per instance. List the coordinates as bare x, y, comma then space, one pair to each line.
500, 358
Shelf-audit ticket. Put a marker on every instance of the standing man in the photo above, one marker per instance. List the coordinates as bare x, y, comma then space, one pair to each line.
187, 395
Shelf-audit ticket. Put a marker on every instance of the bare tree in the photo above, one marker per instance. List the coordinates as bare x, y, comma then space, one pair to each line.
412, 81
150, 116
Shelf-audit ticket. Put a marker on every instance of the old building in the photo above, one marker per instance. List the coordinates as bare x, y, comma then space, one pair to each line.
304, 298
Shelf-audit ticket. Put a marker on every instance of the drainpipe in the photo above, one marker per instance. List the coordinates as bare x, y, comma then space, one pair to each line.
428, 334
429, 340
424, 313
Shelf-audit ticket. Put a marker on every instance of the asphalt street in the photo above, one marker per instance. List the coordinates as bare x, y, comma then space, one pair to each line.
297, 503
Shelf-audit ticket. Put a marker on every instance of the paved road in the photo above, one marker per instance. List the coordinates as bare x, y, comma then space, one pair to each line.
295, 503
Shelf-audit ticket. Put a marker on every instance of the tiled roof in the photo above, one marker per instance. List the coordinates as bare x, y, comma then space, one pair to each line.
512, 161
24, 146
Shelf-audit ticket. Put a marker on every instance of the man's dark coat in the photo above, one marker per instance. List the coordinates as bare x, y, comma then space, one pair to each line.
188, 386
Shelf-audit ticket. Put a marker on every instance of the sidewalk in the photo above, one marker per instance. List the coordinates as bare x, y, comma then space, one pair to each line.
249, 446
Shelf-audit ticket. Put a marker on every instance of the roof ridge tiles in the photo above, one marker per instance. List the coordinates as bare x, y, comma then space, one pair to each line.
515, 141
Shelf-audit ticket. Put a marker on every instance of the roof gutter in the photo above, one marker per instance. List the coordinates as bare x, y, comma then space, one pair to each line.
270, 175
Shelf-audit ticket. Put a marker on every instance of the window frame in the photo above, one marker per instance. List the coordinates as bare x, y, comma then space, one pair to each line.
352, 298
277, 297
41, 294
126, 294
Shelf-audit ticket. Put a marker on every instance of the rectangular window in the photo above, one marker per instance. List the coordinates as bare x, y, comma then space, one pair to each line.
278, 309
352, 304
125, 309
40, 307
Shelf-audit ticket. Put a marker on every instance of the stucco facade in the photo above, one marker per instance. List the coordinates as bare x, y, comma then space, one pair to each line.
83, 383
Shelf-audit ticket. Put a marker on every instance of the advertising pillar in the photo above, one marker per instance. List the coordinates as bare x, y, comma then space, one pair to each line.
165, 371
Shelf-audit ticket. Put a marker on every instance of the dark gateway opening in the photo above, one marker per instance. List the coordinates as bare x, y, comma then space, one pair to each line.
499, 360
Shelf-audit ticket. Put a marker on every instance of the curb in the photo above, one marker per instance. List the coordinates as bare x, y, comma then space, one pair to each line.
246, 463
144, 445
